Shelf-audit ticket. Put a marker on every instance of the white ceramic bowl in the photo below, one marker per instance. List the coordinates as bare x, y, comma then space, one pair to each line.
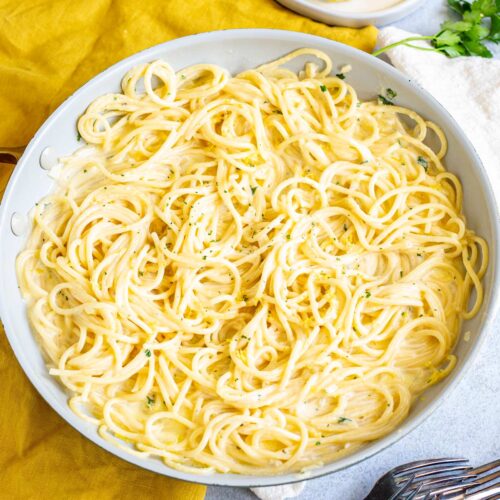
237, 50
327, 12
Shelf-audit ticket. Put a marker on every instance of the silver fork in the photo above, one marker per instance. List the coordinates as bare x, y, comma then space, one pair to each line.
486, 484
446, 478
422, 478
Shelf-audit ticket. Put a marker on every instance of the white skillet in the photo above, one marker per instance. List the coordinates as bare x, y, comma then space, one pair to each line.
237, 50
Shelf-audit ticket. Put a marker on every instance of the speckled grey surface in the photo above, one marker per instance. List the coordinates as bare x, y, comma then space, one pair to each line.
468, 422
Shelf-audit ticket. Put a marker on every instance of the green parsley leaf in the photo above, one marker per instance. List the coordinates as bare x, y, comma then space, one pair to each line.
459, 6
465, 37
446, 37
254, 189
476, 48
147, 352
344, 419
454, 51
472, 16
456, 26
423, 162
486, 7
340, 75
391, 94
384, 100
494, 35
323, 88
78, 136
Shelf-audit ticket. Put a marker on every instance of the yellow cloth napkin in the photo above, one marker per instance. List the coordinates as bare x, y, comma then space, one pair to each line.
48, 48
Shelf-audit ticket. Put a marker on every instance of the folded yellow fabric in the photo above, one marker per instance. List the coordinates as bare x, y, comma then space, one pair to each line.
48, 48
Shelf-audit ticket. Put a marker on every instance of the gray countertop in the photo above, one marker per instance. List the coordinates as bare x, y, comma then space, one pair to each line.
468, 422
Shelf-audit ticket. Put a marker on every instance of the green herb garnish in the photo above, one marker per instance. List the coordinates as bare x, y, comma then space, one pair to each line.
422, 161
383, 100
391, 94
340, 75
147, 352
344, 419
254, 189
465, 37
387, 98
323, 88
78, 136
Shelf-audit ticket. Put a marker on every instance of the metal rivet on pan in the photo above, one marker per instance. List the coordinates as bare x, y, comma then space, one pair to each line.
18, 223
48, 159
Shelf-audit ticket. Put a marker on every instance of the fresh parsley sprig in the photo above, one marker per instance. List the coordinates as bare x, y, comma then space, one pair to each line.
480, 23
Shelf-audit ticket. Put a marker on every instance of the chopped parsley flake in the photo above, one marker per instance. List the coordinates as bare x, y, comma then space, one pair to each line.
390, 94
423, 162
147, 352
323, 88
384, 100
344, 419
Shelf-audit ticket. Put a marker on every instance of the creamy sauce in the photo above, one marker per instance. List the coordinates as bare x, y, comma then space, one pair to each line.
48, 159
18, 223
360, 5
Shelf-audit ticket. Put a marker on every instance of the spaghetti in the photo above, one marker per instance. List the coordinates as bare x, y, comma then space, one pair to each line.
250, 274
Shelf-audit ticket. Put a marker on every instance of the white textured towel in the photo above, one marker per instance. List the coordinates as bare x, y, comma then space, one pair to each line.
469, 88
280, 492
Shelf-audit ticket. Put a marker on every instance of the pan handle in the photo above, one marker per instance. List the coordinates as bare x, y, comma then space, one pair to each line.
11, 155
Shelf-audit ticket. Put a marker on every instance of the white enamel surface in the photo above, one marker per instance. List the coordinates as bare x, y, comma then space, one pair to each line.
238, 50
18, 224
48, 158
355, 13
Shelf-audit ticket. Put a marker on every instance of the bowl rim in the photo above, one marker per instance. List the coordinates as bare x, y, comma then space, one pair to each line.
396, 11
235, 480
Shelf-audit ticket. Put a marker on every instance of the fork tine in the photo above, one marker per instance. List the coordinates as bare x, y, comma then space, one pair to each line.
443, 481
442, 470
420, 464
454, 488
488, 478
487, 467
414, 493
487, 493
402, 489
